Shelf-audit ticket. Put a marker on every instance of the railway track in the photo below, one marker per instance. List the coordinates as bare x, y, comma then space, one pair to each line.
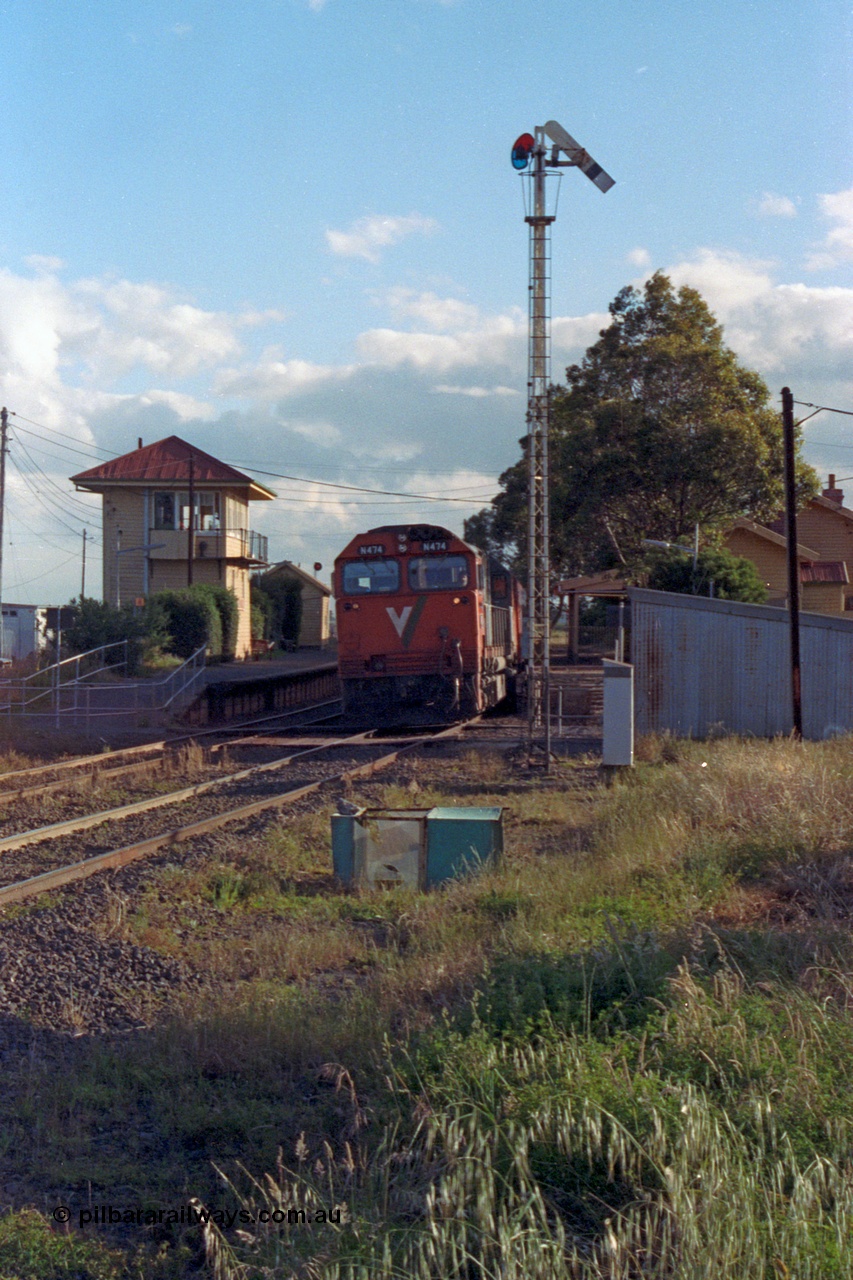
47, 857
46, 779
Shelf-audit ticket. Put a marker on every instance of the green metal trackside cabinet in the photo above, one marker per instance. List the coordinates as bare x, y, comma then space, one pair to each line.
418, 848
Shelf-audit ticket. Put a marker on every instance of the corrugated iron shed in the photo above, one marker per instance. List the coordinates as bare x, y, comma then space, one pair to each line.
703, 666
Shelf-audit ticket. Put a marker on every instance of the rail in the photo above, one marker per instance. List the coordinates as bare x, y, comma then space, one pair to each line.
113, 858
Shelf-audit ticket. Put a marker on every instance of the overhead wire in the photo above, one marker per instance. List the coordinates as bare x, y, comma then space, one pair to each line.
93, 449
40, 500
352, 488
326, 484
823, 408
53, 568
61, 495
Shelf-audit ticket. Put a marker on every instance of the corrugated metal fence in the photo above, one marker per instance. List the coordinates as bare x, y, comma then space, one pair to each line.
704, 666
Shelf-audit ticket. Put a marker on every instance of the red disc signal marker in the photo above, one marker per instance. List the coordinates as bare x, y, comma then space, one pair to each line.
522, 151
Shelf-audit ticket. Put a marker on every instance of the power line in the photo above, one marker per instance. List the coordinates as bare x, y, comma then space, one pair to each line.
825, 408
96, 449
50, 510
352, 488
51, 483
277, 475
53, 568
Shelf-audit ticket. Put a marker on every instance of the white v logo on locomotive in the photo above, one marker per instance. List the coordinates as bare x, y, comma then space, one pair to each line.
399, 620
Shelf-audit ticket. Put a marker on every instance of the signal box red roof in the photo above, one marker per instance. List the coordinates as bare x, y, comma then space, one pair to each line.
168, 462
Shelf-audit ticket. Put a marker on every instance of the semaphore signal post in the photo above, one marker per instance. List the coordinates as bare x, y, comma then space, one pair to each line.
534, 157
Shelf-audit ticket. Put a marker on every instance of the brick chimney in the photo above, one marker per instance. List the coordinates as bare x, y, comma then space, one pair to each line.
834, 495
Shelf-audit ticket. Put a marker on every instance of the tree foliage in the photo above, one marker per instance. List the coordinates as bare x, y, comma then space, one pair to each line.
718, 572
97, 623
280, 599
659, 428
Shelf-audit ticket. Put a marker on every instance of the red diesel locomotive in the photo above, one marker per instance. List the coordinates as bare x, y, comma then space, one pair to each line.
429, 628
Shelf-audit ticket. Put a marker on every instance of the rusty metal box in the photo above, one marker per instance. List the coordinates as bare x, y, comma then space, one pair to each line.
416, 848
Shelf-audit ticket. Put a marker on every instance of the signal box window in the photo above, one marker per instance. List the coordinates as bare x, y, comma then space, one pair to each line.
370, 577
172, 510
164, 510
438, 573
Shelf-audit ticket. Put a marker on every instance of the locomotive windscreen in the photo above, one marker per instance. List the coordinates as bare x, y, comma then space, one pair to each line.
437, 573
363, 577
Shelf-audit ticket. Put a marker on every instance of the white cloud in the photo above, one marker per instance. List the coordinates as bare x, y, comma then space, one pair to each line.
571, 335
838, 244
44, 262
797, 331
133, 325
727, 281
392, 348
325, 434
476, 393
771, 205
439, 384
430, 309
185, 407
271, 379
181, 29
368, 235
640, 257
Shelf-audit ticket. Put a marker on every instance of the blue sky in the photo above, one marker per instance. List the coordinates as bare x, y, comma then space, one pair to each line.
289, 232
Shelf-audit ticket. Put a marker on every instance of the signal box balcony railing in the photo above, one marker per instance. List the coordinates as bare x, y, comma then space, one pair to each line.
209, 544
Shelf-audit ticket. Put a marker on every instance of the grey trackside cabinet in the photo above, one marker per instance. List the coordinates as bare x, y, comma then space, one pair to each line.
618, 738
418, 848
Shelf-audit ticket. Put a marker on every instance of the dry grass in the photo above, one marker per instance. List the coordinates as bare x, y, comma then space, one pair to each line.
651, 996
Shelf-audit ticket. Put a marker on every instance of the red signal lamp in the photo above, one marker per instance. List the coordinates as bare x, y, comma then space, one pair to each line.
522, 150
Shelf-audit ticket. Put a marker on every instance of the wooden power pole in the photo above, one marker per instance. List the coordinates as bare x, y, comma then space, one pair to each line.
793, 562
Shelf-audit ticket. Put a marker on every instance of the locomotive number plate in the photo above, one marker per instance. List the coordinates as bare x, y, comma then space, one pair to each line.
434, 546
372, 550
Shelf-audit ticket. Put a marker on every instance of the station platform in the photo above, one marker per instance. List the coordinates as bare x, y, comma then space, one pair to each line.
270, 668
236, 690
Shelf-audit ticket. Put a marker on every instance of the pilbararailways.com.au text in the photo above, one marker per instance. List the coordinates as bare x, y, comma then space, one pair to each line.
103, 1215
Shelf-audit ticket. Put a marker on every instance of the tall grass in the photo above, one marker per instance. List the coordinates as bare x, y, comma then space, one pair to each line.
538, 1162
622, 1053
638, 1089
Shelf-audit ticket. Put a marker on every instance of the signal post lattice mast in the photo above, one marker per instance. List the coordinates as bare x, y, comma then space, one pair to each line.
531, 154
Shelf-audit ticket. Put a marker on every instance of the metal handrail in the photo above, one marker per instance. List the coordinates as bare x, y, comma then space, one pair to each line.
74, 697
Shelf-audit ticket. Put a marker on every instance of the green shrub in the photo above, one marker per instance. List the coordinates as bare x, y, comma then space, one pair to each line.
225, 604
97, 623
193, 620
733, 577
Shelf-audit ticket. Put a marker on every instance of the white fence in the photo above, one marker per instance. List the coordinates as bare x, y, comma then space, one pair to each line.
77, 693
704, 666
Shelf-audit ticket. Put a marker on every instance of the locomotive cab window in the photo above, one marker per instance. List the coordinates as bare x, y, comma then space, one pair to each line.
438, 573
370, 577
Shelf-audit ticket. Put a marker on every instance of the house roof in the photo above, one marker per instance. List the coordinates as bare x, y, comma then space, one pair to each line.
771, 535
286, 568
824, 571
608, 582
826, 503
167, 462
